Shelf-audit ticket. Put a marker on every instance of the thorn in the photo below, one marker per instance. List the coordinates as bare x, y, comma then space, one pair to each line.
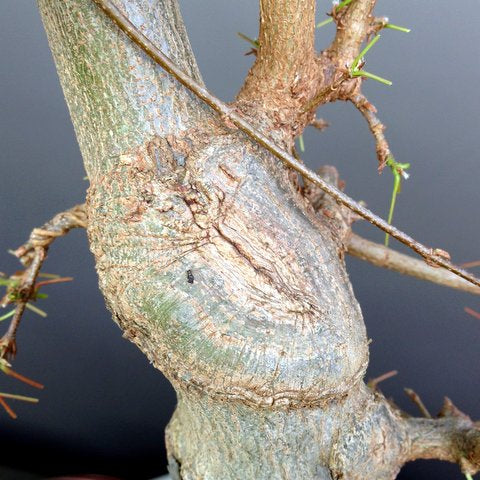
19, 397
325, 22
52, 281
4, 404
397, 27
251, 41
28, 381
471, 264
36, 310
11, 313
473, 313
301, 144
373, 383
450, 410
415, 398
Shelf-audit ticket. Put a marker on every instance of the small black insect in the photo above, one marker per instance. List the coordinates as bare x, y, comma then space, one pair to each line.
190, 277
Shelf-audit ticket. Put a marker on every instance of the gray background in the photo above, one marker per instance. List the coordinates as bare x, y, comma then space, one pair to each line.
104, 408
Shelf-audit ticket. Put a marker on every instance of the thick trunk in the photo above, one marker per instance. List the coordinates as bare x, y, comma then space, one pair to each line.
217, 268
342, 439
117, 97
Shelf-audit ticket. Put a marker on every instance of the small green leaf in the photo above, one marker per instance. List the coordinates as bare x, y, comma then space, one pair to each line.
356, 72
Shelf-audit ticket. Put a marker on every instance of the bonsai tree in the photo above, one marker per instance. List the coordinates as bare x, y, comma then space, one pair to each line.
221, 256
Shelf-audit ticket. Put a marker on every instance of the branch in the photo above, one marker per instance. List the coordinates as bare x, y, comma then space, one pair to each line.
353, 26
453, 437
24, 292
377, 128
433, 256
385, 257
285, 67
32, 254
44, 236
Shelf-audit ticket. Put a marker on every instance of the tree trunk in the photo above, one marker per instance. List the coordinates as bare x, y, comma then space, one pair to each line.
216, 265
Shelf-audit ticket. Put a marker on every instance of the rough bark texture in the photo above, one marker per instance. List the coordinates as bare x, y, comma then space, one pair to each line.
118, 98
216, 265
285, 73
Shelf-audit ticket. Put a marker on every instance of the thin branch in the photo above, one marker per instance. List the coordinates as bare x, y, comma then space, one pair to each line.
434, 256
377, 128
24, 291
385, 257
32, 254
44, 236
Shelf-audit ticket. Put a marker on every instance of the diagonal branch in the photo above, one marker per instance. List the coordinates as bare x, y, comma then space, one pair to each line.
434, 256
32, 254
44, 236
385, 257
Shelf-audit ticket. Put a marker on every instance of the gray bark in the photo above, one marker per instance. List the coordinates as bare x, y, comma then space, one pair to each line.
217, 268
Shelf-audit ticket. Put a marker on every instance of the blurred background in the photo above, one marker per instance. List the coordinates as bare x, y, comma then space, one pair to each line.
104, 408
